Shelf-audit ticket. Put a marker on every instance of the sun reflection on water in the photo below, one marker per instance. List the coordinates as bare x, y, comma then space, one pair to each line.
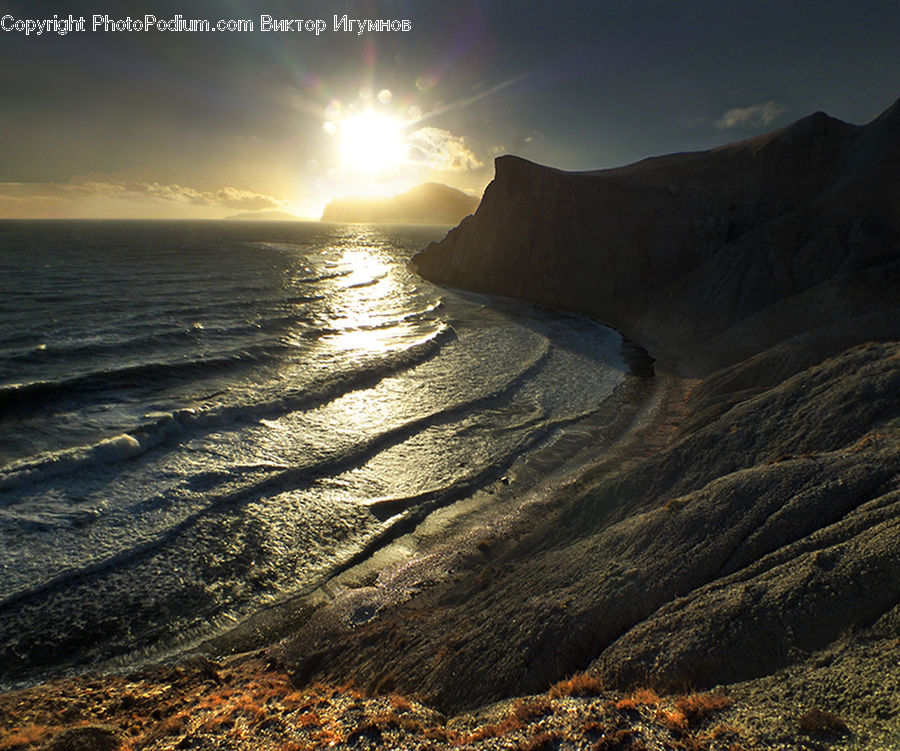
364, 265
364, 340
366, 319
368, 331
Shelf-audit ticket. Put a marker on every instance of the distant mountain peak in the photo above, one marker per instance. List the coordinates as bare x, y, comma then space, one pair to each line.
428, 203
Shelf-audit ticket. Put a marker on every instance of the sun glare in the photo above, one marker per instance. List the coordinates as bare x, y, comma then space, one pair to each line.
372, 143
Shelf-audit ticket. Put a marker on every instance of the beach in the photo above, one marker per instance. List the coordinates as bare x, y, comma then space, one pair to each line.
244, 690
205, 420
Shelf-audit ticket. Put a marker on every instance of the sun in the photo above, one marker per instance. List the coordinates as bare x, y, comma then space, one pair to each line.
372, 143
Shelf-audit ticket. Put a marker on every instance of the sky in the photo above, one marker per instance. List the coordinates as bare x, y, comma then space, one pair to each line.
206, 124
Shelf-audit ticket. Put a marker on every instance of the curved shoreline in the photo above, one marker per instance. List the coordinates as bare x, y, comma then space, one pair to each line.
757, 714
501, 507
351, 628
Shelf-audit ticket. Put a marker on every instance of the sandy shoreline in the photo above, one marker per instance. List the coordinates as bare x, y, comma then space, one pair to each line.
234, 690
643, 414
235, 698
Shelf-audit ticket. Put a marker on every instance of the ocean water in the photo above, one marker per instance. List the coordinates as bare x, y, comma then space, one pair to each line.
201, 419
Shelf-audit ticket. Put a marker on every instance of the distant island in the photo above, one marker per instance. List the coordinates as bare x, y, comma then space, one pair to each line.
430, 203
263, 216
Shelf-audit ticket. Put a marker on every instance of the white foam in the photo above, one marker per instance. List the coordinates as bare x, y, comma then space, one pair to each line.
117, 448
52, 463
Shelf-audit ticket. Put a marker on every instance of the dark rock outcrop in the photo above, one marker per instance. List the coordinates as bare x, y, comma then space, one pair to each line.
431, 203
707, 258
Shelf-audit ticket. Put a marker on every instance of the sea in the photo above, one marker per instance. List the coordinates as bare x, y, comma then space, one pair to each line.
201, 419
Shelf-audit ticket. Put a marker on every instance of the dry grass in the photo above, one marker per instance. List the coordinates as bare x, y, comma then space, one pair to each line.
309, 719
494, 730
521, 714
582, 684
438, 733
254, 707
217, 723
173, 725
720, 732
25, 736
527, 710
697, 707
642, 697
690, 710
400, 703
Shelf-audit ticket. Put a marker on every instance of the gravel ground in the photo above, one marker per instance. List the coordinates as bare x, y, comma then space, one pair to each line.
247, 703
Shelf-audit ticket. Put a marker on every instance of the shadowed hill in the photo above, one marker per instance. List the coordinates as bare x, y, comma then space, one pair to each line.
430, 203
706, 258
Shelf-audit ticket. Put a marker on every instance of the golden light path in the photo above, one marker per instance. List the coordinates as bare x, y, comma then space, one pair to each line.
366, 325
368, 291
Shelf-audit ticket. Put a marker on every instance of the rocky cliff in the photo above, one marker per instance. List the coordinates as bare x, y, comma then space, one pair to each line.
707, 258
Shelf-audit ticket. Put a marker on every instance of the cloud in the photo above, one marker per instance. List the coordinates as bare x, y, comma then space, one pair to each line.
247, 200
109, 198
755, 116
441, 150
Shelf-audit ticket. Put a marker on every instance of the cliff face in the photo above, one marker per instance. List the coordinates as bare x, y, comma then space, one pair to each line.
706, 257
430, 203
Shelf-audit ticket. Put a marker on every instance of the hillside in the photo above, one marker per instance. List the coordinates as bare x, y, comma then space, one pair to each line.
705, 258
430, 203
739, 535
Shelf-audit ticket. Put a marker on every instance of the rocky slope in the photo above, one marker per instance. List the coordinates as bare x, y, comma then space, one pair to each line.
767, 538
246, 704
756, 542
